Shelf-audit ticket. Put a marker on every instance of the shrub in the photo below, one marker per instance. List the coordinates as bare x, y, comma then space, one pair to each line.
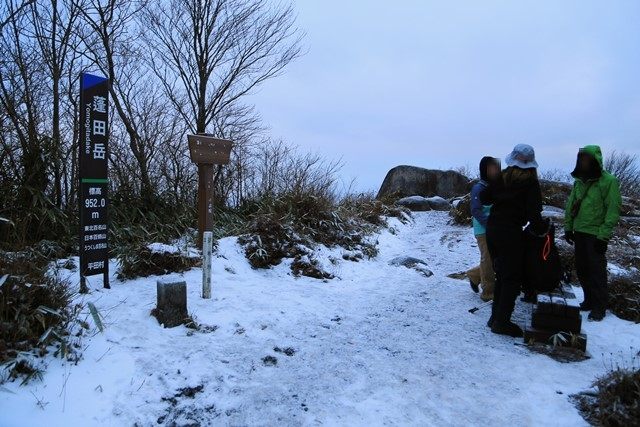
626, 168
306, 265
27, 311
624, 297
286, 226
616, 402
461, 212
143, 262
32, 318
31, 263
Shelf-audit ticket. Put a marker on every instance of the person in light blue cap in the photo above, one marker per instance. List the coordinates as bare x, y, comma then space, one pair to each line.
516, 200
523, 156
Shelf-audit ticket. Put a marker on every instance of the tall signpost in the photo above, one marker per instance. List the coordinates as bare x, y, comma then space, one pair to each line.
207, 151
93, 176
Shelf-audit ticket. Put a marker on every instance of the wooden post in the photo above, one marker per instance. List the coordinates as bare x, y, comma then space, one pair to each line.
207, 151
206, 264
205, 200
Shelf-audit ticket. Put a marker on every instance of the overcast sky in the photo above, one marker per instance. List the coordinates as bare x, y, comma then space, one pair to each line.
438, 84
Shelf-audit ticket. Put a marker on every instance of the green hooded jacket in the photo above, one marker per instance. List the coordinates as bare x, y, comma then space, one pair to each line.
601, 200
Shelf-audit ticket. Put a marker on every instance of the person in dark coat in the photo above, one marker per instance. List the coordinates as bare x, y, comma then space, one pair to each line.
516, 201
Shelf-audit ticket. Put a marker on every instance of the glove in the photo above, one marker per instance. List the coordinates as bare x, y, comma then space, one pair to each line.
601, 246
568, 236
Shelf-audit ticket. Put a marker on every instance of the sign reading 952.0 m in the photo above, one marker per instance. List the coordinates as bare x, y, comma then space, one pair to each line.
93, 168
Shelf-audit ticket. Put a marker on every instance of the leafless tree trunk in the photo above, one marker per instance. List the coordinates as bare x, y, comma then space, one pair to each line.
53, 25
111, 41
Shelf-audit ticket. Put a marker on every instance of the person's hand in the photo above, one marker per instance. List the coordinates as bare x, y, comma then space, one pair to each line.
569, 236
601, 246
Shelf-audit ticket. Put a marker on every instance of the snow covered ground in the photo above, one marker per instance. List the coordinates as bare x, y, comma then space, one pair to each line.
377, 345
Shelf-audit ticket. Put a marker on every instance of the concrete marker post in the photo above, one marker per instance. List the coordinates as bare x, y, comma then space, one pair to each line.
207, 245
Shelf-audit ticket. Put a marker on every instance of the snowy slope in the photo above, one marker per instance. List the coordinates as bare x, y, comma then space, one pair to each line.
377, 345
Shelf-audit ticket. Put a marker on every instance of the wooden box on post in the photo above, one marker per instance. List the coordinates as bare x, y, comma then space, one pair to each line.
206, 151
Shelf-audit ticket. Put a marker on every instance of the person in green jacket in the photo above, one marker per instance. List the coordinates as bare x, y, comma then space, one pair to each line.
592, 212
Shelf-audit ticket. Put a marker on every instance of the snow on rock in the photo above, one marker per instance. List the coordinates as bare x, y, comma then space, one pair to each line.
415, 203
552, 212
437, 203
411, 262
360, 349
173, 249
420, 203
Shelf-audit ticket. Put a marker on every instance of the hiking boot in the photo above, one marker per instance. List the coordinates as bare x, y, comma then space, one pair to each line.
506, 328
474, 287
585, 306
490, 322
597, 314
529, 297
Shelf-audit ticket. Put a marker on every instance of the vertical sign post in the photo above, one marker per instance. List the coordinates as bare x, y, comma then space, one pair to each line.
206, 151
207, 245
93, 175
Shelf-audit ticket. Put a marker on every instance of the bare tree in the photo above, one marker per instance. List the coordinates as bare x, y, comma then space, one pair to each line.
112, 41
53, 27
626, 168
10, 9
22, 88
210, 53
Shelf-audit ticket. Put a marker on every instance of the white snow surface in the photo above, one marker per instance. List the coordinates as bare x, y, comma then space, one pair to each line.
378, 345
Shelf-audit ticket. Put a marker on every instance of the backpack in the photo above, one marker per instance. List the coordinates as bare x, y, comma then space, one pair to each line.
542, 266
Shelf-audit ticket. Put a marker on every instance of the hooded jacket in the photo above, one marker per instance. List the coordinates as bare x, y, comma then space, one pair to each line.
600, 194
480, 212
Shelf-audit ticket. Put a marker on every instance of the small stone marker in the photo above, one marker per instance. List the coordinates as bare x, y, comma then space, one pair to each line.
171, 309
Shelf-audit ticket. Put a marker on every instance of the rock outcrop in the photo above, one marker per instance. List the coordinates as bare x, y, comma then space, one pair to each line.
403, 181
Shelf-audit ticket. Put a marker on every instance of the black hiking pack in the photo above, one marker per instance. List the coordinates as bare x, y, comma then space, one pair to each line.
542, 265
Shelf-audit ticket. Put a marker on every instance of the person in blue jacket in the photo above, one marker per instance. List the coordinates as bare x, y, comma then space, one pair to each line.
483, 274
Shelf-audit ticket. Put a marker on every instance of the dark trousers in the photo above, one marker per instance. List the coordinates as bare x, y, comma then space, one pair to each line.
506, 246
591, 267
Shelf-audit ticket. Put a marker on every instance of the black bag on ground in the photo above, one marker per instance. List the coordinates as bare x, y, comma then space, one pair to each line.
542, 266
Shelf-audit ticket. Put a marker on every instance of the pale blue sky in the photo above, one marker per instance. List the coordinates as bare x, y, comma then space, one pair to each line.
441, 83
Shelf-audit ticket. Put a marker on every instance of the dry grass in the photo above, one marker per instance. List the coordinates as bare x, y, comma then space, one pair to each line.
616, 401
287, 226
142, 262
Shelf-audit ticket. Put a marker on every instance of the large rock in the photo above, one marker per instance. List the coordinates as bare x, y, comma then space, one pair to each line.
403, 181
437, 203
